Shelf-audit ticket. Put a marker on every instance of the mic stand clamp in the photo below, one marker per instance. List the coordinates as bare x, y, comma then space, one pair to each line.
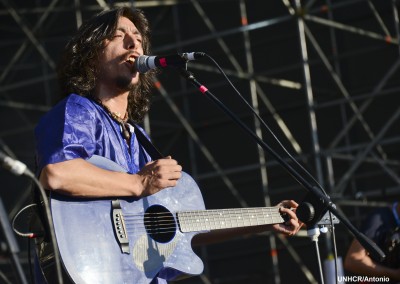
316, 217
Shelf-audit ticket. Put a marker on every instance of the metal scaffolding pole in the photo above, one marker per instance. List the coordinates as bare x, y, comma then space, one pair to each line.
340, 187
30, 35
258, 131
24, 45
309, 93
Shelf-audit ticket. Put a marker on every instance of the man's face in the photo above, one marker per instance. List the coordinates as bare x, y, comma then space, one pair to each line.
116, 61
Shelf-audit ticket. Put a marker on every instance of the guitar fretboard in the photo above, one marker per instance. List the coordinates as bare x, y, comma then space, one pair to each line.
203, 220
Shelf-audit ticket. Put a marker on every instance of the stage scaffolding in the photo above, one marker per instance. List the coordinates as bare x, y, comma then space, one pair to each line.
324, 75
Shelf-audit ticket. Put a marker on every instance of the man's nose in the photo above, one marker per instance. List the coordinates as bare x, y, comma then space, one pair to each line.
131, 42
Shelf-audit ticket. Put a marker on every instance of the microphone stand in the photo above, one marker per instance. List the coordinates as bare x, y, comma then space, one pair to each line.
313, 232
316, 203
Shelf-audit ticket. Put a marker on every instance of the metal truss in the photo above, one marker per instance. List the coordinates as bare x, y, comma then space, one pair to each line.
341, 143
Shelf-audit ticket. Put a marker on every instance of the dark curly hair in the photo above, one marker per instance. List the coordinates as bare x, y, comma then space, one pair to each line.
77, 71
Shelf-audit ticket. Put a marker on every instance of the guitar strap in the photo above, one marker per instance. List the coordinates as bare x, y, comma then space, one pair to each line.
154, 153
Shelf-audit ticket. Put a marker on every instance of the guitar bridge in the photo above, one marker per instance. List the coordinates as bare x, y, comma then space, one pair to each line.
119, 226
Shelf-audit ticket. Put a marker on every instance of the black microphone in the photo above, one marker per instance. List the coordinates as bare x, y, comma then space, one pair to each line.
16, 167
145, 63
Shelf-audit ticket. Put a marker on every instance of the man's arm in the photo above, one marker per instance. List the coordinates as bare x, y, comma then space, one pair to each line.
358, 262
79, 178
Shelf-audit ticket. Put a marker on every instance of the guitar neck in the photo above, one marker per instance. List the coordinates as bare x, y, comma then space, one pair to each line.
205, 220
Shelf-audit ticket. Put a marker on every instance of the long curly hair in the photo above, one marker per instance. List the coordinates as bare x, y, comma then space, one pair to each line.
77, 71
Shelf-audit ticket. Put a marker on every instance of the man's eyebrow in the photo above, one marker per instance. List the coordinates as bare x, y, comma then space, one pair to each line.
126, 29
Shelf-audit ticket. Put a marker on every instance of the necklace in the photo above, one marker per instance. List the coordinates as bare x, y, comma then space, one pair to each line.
117, 117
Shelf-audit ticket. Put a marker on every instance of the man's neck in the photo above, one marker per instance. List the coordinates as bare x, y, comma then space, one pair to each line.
116, 102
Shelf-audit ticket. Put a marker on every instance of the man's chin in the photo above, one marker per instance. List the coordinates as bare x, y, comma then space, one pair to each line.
126, 84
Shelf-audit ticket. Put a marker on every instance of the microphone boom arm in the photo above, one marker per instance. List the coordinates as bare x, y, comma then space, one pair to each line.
324, 200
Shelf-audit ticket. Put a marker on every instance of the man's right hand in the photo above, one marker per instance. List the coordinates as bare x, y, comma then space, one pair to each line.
159, 174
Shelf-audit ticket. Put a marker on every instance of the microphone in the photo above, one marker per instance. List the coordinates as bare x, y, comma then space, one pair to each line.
145, 63
16, 167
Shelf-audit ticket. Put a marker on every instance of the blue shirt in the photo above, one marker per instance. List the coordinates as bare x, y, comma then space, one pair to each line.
78, 127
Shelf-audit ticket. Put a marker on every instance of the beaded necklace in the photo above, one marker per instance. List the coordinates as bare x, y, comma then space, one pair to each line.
117, 117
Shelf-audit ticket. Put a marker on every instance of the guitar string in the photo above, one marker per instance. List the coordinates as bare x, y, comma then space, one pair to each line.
214, 212
173, 228
209, 222
210, 225
231, 218
194, 215
164, 222
170, 220
173, 224
169, 225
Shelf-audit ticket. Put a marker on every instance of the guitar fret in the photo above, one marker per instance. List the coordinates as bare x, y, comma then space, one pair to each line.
197, 220
191, 223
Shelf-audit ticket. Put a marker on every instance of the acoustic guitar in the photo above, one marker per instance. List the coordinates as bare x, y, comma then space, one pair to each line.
131, 240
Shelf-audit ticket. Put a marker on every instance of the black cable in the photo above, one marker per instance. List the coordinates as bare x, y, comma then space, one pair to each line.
31, 276
265, 125
18, 168
51, 230
24, 235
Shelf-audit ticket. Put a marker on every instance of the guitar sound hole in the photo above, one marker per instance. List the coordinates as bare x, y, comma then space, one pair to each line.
160, 223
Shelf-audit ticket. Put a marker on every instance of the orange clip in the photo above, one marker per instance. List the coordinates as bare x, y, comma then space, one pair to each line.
388, 39
274, 252
157, 84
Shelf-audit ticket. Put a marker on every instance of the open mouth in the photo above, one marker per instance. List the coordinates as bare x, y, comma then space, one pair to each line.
131, 61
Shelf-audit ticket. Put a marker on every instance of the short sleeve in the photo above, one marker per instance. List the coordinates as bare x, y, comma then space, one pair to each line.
67, 132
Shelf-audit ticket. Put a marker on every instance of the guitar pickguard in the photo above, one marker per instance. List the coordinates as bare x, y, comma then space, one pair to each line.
150, 255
